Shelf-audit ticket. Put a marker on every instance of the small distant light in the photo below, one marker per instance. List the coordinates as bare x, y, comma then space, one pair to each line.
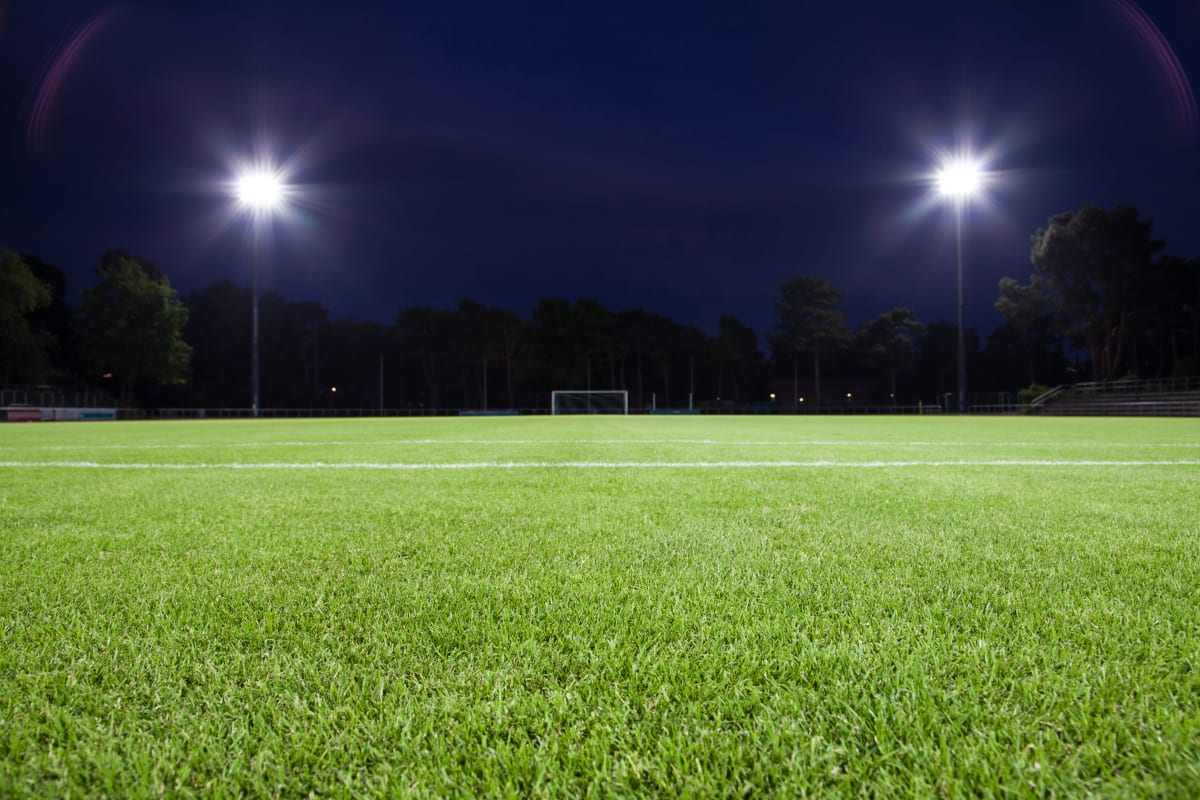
333, 388
799, 399
772, 395
893, 394
106, 375
848, 395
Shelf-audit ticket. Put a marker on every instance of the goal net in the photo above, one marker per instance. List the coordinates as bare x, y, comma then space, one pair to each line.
589, 402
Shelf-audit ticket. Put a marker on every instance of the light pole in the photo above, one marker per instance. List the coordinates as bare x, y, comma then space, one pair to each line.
959, 180
260, 191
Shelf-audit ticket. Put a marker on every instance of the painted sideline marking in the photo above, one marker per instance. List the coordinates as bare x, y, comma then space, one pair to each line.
546, 442
476, 465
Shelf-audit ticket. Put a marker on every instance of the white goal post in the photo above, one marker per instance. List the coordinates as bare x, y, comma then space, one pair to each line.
582, 401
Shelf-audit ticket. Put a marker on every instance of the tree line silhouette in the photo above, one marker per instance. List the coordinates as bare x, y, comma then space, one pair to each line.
1104, 301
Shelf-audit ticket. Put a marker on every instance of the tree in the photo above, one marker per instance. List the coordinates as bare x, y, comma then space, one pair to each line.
736, 352
1022, 306
132, 324
891, 339
218, 329
662, 343
350, 362
1093, 264
296, 361
302, 355
686, 346
1030, 325
22, 351
597, 332
54, 322
1168, 319
1188, 283
811, 320
505, 333
577, 345
637, 340
429, 334
556, 343
936, 366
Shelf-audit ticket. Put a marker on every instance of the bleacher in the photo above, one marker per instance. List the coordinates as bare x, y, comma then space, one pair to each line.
1179, 397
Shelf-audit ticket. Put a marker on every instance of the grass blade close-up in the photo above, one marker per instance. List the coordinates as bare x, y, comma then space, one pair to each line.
600, 606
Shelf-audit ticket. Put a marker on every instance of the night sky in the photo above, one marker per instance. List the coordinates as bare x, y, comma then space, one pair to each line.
684, 157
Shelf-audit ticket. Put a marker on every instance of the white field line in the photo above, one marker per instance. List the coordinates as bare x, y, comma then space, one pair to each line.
483, 465
556, 442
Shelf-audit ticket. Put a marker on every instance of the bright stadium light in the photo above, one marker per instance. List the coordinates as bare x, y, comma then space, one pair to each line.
959, 179
262, 191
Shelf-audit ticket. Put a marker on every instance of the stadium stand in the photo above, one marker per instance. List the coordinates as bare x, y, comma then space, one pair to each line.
1155, 398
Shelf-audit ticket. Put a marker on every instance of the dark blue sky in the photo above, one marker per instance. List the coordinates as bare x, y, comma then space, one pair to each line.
684, 157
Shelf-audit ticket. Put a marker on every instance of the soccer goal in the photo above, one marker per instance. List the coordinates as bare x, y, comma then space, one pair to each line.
589, 402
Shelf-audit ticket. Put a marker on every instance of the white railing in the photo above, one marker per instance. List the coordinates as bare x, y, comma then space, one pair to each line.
1046, 396
53, 397
1139, 386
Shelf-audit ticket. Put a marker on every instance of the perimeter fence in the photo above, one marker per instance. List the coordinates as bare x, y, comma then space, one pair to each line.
300, 413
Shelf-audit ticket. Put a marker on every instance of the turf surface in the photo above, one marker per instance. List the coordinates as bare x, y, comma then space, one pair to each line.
601, 606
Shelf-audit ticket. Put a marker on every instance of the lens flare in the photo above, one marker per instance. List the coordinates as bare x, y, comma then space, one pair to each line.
52, 80
1179, 88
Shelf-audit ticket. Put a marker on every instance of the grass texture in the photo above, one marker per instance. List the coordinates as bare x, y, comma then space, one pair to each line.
599, 607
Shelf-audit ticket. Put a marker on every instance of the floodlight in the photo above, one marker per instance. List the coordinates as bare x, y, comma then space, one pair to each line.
960, 178
260, 190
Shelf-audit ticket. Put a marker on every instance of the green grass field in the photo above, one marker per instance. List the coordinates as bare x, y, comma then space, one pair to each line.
563, 607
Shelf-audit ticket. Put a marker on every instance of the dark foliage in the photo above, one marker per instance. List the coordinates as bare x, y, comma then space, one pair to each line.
1103, 295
